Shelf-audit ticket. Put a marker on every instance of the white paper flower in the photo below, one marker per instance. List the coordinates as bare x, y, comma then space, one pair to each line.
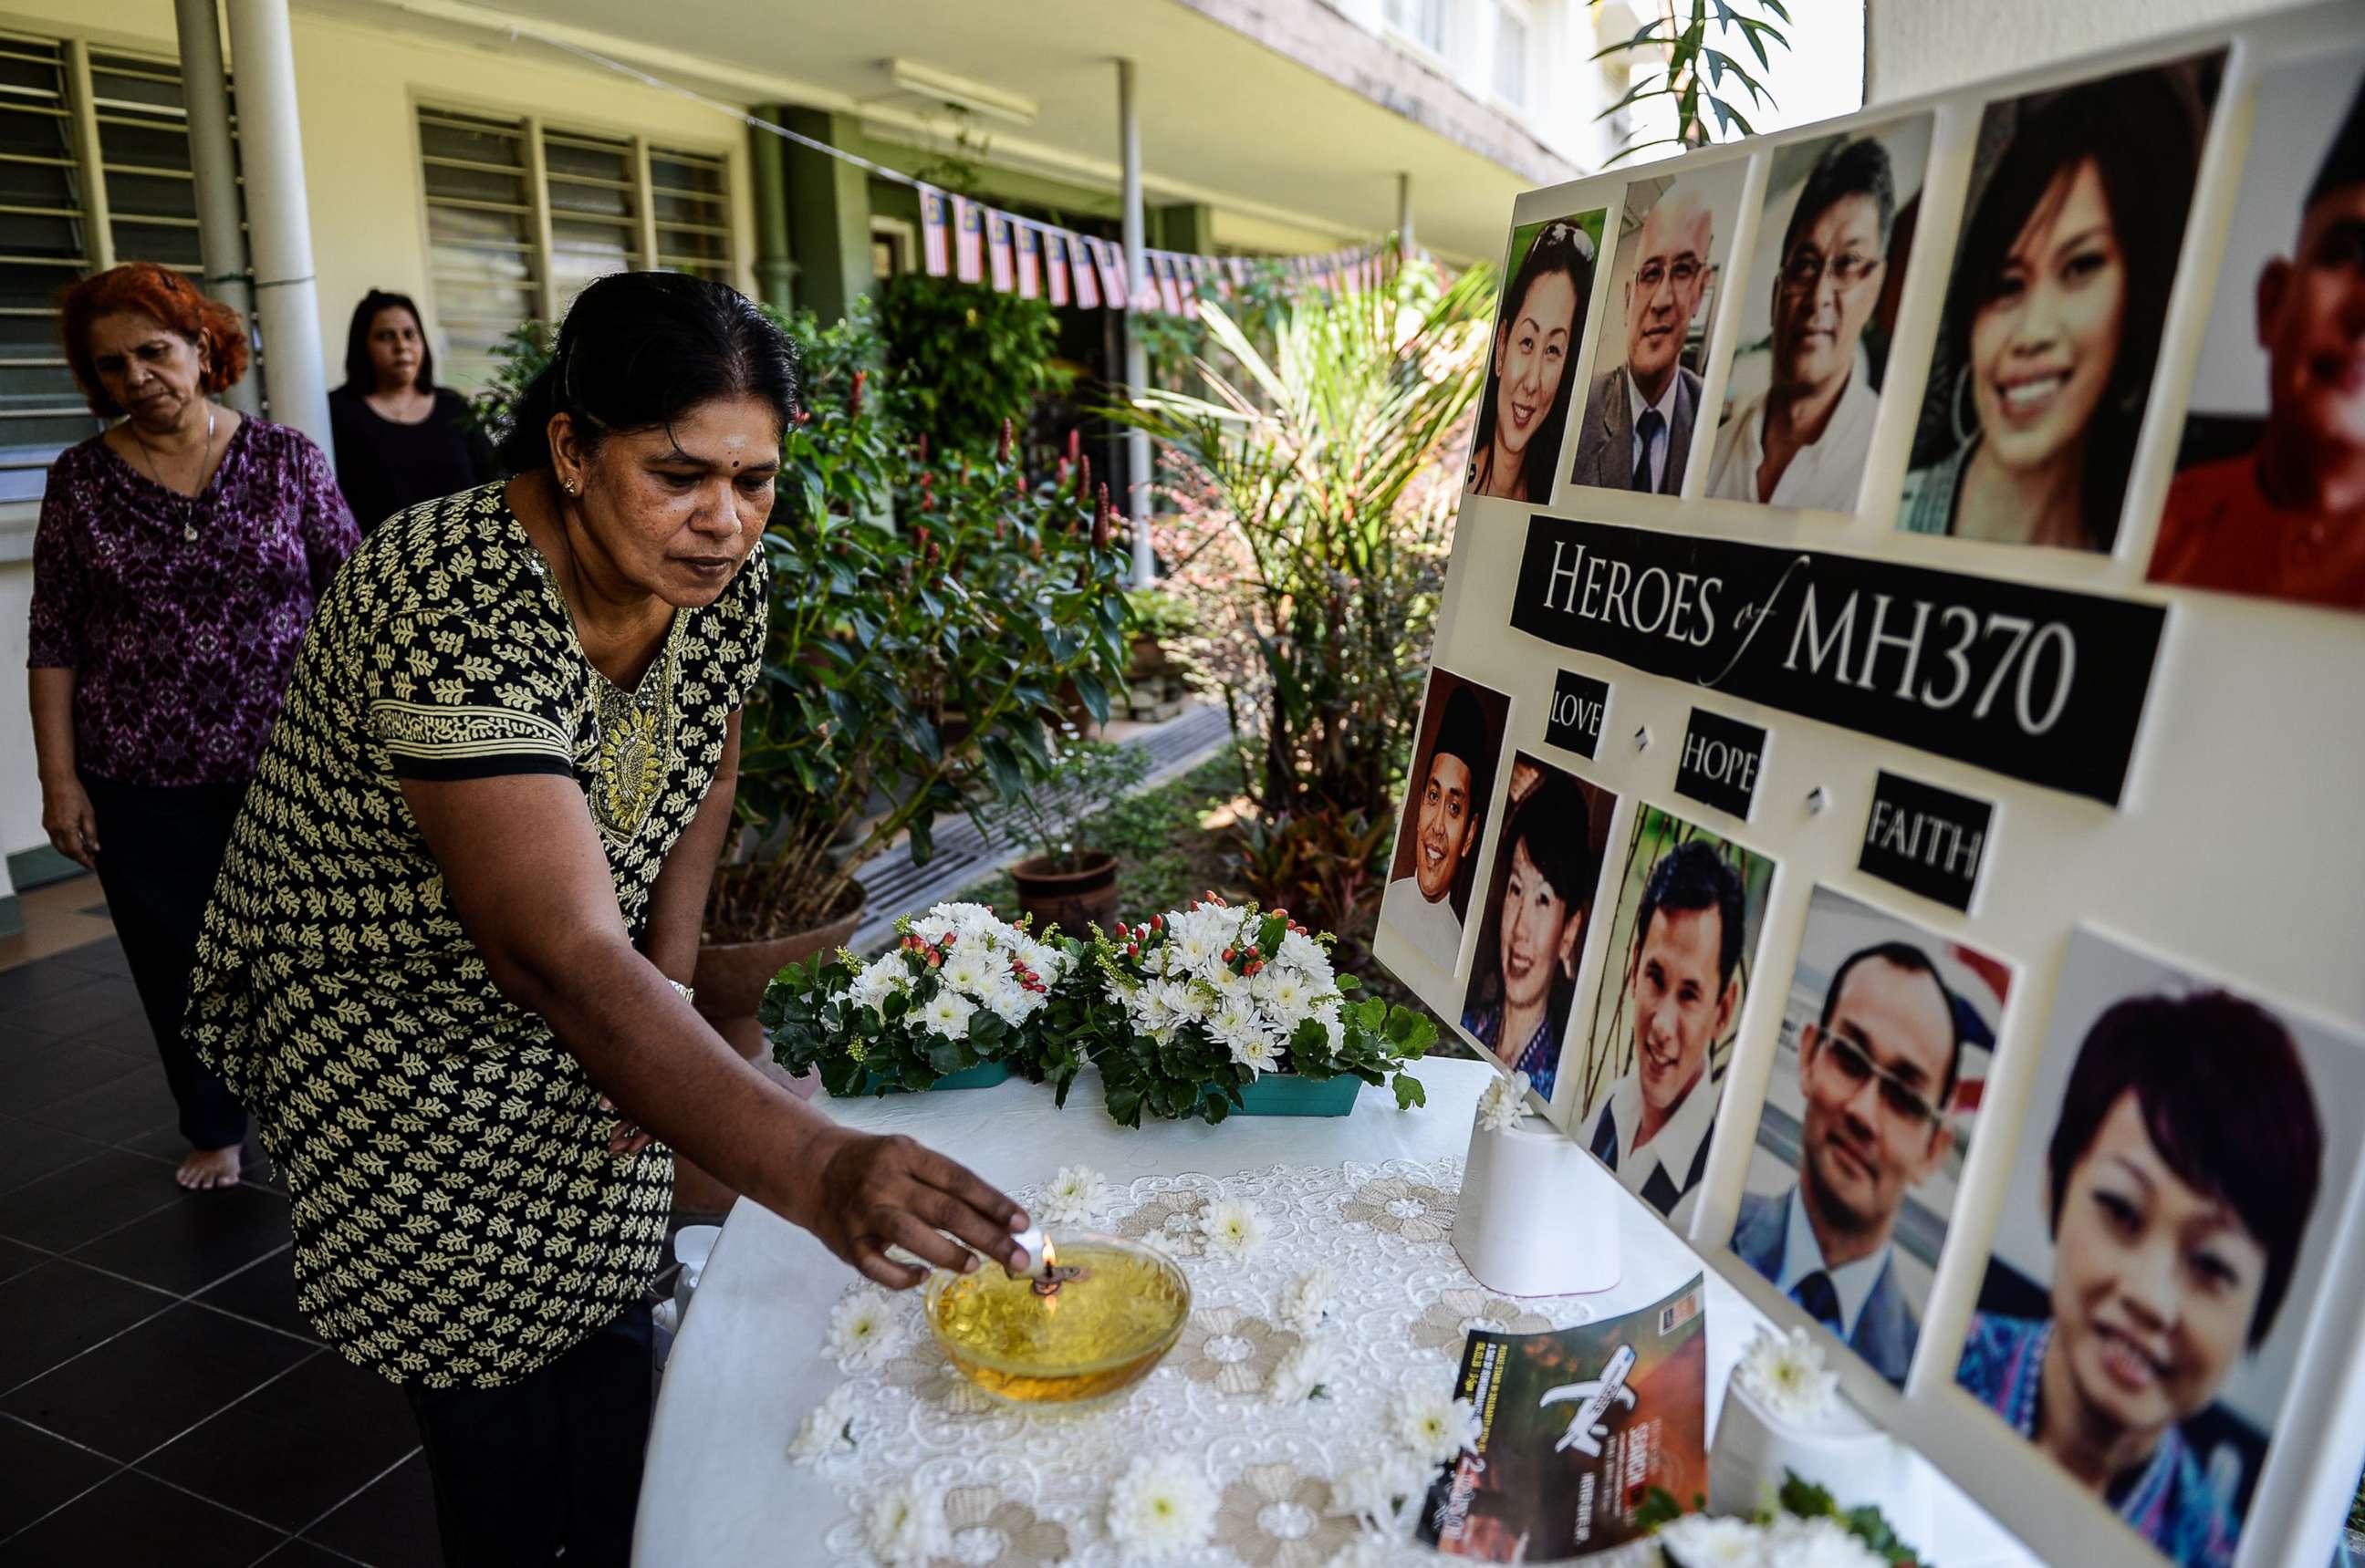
827, 1428
1234, 1228
1816, 1543
1305, 1368
1077, 1193
1161, 1505
1433, 1425
1505, 1103
1308, 1298
947, 1013
1785, 1373
1703, 1541
1378, 1489
864, 1330
905, 1526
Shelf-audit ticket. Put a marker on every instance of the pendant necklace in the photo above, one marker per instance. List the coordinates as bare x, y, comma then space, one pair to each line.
188, 503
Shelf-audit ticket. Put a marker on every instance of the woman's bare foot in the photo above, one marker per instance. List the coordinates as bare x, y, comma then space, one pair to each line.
209, 1168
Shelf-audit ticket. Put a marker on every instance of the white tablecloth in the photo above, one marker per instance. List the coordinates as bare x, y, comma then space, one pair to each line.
719, 1488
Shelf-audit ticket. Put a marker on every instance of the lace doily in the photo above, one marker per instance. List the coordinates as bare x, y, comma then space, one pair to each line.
1023, 1488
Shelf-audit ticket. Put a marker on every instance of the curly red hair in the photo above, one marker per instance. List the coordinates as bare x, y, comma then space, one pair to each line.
174, 302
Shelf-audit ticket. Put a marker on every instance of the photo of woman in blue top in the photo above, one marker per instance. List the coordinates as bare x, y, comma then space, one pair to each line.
2183, 1167
1523, 980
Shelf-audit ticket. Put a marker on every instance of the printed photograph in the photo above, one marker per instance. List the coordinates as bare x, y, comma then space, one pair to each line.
1432, 875
1643, 405
2268, 498
1886, 1036
1818, 317
2054, 309
1683, 942
1530, 378
2162, 1244
1533, 918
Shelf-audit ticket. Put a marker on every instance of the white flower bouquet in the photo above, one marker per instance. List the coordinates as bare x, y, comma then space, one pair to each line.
961, 988
1184, 1011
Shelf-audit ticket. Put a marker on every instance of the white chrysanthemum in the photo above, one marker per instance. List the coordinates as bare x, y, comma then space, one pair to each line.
1817, 1543
1257, 1051
1505, 1103
1161, 1505
947, 1013
1303, 954
905, 1526
1785, 1373
1007, 999
1190, 1003
1048, 962
1304, 1303
827, 1428
1151, 1007
1234, 1023
877, 981
864, 1330
1077, 1194
1287, 995
1702, 1541
1234, 1228
969, 969
1305, 1368
1433, 1425
1378, 1489
1194, 940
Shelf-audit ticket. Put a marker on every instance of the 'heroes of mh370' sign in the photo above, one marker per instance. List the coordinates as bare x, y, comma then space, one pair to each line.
2035, 683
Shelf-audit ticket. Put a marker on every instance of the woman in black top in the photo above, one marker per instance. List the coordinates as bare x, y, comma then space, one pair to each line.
400, 438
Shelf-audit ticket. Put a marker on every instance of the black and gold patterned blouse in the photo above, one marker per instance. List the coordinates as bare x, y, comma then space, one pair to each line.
458, 1218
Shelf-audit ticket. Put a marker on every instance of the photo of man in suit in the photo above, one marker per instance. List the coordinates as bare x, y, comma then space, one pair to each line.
1684, 993
1641, 413
1877, 1071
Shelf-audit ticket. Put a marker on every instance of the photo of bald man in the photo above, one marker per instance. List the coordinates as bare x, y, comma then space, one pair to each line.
1641, 409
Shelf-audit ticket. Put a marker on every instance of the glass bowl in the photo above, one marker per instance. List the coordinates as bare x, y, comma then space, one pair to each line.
1100, 1333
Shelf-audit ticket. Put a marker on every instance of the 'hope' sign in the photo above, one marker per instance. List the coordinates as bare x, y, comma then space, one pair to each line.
1720, 762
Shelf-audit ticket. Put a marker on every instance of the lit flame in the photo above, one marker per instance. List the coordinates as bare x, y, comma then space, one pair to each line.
1050, 1256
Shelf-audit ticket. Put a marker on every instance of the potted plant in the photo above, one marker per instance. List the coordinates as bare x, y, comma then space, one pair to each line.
944, 1008
1063, 882
1217, 1008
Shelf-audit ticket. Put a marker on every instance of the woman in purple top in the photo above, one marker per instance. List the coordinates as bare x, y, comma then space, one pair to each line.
177, 564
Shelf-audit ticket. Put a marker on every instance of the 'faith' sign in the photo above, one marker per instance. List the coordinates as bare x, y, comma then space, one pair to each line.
1926, 840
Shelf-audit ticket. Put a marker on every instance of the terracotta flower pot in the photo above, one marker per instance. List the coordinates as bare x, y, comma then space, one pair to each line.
730, 981
1073, 899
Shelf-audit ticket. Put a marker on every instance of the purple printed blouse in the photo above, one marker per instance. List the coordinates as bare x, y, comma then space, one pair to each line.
180, 616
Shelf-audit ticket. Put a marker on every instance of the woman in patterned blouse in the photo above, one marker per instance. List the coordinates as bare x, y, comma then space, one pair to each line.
461, 911
177, 564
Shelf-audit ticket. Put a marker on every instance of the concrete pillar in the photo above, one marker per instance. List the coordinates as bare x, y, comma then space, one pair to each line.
221, 241
775, 270
1404, 246
828, 216
1136, 355
279, 216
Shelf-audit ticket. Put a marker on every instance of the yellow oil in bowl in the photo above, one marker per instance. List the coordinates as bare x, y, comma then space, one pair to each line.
1103, 1329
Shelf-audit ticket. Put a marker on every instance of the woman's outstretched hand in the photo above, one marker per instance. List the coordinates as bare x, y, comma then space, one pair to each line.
877, 1192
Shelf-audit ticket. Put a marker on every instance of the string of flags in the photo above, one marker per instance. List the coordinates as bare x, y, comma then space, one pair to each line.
978, 243
973, 242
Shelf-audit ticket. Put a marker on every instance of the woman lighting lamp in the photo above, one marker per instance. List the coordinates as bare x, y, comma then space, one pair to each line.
2182, 1172
498, 789
2054, 316
1525, 408
177, 564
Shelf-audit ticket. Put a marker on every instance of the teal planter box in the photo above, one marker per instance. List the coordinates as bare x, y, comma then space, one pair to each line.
984, 1075
1286, 1094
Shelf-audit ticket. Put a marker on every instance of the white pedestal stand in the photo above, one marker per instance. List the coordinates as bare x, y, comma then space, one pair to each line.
1537, 1217
1844, 1453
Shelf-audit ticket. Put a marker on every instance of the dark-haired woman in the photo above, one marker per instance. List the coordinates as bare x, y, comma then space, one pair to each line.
175, 567
2181, 1173
1525, 408
400, 438
452, 942
2054, 316
1525, 979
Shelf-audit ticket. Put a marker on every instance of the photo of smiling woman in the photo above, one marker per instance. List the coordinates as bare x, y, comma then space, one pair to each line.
2054, 313
1539, 899
2162, 1243
1537, 329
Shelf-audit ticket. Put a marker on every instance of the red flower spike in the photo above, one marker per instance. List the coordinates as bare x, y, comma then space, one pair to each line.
1104, 524
923, 446
1002, 452
1084, 477
928, 501
854, 398
1075, 443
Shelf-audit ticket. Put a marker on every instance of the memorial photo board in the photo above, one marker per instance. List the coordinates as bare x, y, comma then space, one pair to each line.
2124, 758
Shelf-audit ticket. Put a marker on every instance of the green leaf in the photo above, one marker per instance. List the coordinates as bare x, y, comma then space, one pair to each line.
1093, 694
1411, 1092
